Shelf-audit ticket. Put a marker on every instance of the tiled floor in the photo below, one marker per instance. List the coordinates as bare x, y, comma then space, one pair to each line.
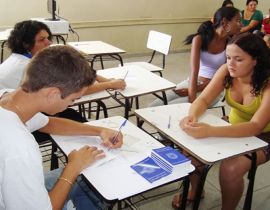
177, 68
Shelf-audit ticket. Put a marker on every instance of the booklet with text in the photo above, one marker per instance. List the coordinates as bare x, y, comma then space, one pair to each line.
163, 161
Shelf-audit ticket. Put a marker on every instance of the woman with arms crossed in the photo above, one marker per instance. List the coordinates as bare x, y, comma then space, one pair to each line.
245, 79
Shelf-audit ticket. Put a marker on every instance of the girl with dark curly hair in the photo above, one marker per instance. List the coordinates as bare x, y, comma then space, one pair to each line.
245, 78
25, 40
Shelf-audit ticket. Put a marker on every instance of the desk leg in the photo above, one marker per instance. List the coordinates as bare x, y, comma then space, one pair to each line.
164, 98
103, 106
185, 193
251, 177
101, 62
54, 158
127, 108
93, 60
200, 187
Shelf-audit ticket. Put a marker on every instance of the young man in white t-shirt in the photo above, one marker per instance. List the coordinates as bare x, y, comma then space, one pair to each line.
54, 78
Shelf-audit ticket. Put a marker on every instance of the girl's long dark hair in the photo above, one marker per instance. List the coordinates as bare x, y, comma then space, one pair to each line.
256, 47
207, 29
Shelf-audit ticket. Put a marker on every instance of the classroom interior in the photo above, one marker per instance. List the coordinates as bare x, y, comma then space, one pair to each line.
125, 24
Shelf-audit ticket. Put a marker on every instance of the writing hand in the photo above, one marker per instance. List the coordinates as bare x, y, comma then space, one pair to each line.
111, 138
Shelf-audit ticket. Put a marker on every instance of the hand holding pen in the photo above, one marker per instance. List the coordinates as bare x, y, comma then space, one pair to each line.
115, 138
112, 139
125, 76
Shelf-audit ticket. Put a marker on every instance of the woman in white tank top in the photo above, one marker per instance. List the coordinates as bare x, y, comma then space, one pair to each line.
207, 54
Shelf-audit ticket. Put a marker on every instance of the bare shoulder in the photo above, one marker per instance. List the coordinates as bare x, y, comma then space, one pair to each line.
197, 39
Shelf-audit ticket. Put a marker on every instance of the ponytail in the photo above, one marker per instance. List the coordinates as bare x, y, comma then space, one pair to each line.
206, 31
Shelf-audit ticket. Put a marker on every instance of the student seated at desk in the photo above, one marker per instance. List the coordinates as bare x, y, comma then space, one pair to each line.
26, 40
103, 83
207, 55
46, 87
245, 78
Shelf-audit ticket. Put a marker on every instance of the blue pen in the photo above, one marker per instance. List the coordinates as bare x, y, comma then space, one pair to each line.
125, 75
118, 132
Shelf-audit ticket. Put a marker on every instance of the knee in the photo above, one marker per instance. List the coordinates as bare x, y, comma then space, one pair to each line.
229, 171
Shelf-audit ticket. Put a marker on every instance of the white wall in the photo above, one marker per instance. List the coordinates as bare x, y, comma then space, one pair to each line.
124, 23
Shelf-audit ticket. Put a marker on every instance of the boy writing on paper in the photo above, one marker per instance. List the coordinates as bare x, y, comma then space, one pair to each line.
53, 79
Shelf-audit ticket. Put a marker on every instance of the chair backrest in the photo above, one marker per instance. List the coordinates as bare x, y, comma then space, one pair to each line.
159, 42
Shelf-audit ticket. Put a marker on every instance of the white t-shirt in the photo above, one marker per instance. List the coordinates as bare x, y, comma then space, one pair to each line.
11, 70
21, 173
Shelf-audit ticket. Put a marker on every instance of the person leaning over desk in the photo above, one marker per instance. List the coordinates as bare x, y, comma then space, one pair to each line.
47, 84
245, 78
26, 40
207, 55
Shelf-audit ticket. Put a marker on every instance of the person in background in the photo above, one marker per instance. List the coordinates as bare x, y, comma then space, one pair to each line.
54, 78
25, 40
207, 54
227, 3
266, 24
251, 17
245, 78
103, 83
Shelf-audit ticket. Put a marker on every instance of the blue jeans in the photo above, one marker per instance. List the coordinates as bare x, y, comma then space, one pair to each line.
80, 195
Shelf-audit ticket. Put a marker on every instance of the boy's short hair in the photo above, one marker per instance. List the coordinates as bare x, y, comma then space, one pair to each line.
59, 66
22, 38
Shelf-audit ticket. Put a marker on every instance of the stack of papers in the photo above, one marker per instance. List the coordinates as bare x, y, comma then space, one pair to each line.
163, 161
170, 159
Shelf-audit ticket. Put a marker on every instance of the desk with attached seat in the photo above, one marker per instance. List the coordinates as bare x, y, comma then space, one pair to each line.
207, 150
114, 179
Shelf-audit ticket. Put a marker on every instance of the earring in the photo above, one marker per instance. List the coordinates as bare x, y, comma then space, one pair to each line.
228, 28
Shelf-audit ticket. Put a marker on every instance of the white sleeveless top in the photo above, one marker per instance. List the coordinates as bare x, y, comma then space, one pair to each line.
210, 63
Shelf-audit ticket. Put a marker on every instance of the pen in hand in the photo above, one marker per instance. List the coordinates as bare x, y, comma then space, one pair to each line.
125, 75
114, 140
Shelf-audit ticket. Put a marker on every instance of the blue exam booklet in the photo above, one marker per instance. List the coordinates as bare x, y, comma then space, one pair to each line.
149, 170
170, 159
163, 161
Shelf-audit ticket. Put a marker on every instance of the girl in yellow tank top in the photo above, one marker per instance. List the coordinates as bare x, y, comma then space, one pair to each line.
245, 80
243, 113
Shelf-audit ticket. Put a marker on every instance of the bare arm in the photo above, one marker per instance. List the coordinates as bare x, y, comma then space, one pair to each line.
104, 84
251, 25
77, 161
209, 94
194, 67
251, 128
61, 126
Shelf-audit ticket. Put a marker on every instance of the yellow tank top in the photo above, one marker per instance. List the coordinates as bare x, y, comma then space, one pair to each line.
243, 113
